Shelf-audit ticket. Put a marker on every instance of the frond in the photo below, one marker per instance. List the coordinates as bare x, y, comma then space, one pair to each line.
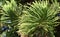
40, 14
11, 12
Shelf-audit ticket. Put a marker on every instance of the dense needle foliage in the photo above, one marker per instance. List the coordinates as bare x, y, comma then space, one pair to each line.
36, 20
40, 18
11, 14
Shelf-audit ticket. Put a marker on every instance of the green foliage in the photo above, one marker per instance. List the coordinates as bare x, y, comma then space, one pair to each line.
11, 16
39, 17
11, 11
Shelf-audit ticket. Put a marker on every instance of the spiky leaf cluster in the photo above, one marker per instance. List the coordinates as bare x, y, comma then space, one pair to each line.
11, 12
39, 17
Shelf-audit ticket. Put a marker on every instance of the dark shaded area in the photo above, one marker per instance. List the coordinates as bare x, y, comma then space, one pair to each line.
57, 34
26, 1
57, 28
58, 1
